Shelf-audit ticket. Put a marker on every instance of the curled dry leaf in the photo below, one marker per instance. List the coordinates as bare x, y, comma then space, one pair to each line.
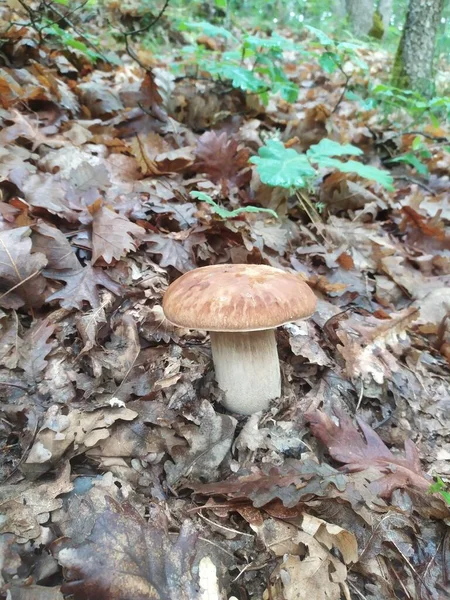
128, 557
53, 244
310, 569
367, 356
59, 432
155, 157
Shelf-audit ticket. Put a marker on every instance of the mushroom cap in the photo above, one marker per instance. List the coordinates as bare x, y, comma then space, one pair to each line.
237, 298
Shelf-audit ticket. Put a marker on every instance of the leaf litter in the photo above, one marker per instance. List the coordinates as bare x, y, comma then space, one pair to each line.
122, 476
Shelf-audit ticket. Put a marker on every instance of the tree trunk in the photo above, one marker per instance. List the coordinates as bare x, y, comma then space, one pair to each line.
413, 65
360, 13
339, 9
385, 8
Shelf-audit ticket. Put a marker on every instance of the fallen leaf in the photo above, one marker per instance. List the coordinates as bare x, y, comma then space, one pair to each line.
155, 157
26, 506
81, 286
173, 253
113, 235
208, 446
53, 244
127, 557
346, 445
21, 282
35, 347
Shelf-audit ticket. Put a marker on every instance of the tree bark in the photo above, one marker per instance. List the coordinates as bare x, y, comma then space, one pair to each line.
360, 13
339, 9
413, 65
385, 8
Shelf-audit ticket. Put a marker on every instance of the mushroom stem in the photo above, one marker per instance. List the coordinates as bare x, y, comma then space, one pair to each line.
247, 369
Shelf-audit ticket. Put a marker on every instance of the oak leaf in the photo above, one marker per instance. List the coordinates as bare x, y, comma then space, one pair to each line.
127, 557
173, 252
113, 235
35, 347
21, 282
156, 157
346, 445
81, 286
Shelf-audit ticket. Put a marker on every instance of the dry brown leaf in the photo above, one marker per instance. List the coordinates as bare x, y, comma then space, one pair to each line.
309, 570
21, 282
208, 445
53, 244
155, 157
81, 286
59, 432
26, 506
346, 445
35, 347
126, 556
113, 235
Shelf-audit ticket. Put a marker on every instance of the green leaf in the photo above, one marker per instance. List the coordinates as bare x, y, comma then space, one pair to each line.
240, 77
411, 159
287, 89
206, 28
329, 62
283, 167
366, 171
417, 143
439, 487
223, 213
321, 36
328, 147
221, 4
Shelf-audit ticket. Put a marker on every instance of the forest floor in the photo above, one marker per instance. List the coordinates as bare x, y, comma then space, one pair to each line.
122, 475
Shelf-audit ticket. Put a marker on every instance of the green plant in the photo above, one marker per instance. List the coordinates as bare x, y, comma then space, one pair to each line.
284, 167
67, 40
253, 65
414, 157
413, 103
439, 487
223, 213
336, 53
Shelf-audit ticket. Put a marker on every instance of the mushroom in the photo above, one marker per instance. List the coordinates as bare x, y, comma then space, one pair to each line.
241, 306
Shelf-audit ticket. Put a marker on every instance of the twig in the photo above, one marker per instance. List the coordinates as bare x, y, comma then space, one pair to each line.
344, 89
211, 522
428, 136
416, 181
33, 19
150, 25
79, 33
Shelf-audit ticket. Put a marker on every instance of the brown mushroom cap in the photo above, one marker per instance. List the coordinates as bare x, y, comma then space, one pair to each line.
237, 298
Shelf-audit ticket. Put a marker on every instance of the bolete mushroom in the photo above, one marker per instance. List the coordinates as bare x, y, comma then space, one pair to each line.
241, 305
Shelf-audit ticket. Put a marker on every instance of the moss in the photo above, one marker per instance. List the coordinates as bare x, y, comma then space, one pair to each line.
377, 30
400, 77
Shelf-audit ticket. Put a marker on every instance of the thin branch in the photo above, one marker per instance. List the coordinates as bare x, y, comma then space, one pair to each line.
34, 19
416, 181
79, 33
344, 89
149, 25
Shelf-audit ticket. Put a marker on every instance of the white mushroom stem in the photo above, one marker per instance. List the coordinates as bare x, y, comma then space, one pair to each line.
247, 369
